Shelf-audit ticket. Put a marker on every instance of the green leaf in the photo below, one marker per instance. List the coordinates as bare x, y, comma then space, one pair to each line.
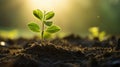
48, 23
34, 27
38, 13
49, 15
53, 29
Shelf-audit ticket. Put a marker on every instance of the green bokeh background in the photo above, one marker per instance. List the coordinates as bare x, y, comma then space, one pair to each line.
75, 17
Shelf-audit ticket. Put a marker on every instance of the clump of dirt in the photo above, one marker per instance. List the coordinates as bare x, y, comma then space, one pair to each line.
70, 51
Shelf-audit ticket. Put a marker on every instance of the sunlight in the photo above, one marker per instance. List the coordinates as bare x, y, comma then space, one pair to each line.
48, 4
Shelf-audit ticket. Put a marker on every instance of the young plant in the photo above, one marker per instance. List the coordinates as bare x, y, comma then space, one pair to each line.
46, 24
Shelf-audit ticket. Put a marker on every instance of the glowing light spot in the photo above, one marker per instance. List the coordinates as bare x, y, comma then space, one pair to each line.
94, 31
2, 43
48, 4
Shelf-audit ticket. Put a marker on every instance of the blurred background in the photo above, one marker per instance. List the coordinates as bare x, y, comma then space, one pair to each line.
73, 16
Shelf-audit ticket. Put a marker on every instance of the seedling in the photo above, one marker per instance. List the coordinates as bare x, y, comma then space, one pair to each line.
94, 32
46, 24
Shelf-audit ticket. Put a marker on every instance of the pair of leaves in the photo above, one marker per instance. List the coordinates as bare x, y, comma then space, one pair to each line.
35, 28
39, 14
45, 19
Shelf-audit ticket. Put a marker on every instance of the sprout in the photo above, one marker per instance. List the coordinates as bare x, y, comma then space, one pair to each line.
47, 25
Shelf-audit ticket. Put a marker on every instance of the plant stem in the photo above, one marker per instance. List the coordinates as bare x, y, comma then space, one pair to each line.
42, 33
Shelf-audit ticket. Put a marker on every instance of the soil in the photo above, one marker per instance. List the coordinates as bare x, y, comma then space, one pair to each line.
70, 51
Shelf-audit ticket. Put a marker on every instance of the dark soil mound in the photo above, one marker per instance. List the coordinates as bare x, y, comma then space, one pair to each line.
71, 51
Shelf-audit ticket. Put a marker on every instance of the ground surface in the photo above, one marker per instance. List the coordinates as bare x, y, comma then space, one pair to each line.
71, 51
